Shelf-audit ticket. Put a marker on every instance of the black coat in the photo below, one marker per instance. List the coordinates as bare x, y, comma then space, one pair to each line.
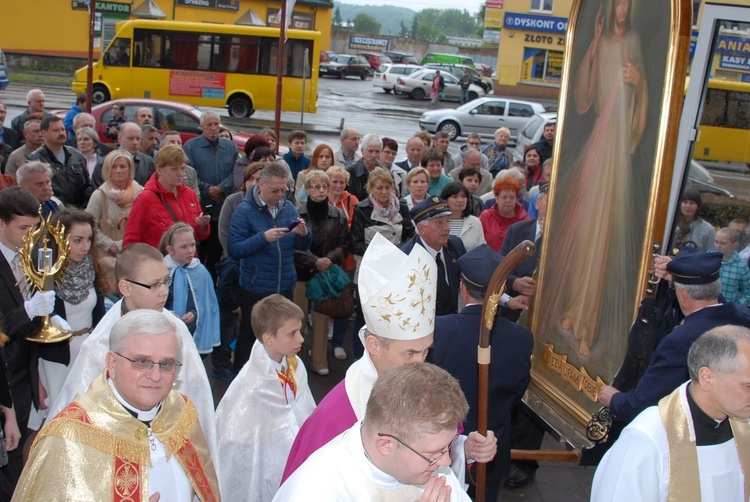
453, 250
455, 350
11, 138
330, 240
71, 181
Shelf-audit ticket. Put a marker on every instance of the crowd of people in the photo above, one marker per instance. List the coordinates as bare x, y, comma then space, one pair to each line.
181, 252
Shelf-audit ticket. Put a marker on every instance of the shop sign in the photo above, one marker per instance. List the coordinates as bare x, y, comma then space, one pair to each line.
530, 22
108, 7
300, 20
368, 43
233, 5
734, 62
733, 45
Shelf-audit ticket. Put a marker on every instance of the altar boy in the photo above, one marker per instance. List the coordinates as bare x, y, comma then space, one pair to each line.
265, 406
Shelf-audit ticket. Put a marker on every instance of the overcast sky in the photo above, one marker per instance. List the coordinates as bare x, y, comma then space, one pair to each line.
471, 5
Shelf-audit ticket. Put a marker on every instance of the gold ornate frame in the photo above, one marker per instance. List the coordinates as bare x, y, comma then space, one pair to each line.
556, 381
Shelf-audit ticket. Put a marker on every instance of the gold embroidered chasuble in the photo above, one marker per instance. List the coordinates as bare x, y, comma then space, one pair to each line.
95, 450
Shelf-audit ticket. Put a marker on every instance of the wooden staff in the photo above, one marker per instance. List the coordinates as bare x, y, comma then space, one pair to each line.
495, 289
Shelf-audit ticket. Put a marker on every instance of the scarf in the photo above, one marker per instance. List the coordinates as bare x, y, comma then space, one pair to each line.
77, 280
123, 198
388, 212
318, 211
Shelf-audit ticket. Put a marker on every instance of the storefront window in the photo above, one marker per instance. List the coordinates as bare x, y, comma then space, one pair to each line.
541, 5
542, 66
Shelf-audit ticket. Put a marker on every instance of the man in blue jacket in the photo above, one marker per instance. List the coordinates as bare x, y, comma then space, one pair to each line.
263, 236
698, 287
213, 159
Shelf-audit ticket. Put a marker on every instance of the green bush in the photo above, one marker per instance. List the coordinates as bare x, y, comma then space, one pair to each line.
720, 210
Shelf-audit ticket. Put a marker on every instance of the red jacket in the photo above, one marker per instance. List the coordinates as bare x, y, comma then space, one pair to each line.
149, 217
495, 226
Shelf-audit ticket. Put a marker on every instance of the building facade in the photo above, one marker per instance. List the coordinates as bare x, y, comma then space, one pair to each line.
532, 46
61, 28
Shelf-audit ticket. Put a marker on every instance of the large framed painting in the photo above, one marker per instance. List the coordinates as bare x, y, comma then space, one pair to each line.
621, 96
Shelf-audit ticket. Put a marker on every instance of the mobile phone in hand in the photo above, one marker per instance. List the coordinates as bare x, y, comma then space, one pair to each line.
293, 225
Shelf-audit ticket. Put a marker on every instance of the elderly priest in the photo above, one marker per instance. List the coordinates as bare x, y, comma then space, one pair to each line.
130, 436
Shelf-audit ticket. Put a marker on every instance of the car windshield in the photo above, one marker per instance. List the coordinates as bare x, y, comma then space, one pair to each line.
341, 59
385, 59
467, 107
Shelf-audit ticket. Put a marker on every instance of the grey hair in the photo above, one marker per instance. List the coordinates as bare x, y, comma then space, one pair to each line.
370, 140
273, 170
33, 92
141, 322
208, 114
147, 128
345, 132
27, 125
90, 133
83, 115
717, 350
35, 166
701, 292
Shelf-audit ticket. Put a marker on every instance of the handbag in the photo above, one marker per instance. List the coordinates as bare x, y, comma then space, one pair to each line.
342, 306
331, 292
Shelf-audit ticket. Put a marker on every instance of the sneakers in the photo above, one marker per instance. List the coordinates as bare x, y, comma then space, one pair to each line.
323, 371
226, 374
340, 353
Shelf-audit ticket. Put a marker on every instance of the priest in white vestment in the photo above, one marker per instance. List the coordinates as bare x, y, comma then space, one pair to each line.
697, 440
399, 452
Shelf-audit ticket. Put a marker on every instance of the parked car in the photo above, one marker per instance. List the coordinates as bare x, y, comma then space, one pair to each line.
346, 65
532, 132
400, 57
482, 116
4, 80
457, 70
700, 178
437, 57
325, 56
418, 86
376, 59
168, 116
385, 77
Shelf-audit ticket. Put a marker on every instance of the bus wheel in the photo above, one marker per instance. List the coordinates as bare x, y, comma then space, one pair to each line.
100, 94
239, 106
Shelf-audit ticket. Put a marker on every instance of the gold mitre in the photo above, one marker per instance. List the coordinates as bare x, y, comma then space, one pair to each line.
398, 292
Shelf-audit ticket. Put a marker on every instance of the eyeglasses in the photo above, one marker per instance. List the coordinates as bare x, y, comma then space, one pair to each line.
318, 187
166, 283
143, 364
429, 462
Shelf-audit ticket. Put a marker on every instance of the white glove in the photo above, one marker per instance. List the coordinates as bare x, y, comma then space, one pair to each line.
41, 304
60, 323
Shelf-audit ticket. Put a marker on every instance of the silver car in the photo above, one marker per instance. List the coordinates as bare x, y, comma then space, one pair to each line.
482, 116
386, 75
418, 86
532, 132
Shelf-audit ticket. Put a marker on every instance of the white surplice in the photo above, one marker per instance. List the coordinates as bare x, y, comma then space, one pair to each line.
340, 471
636, 468
256, 427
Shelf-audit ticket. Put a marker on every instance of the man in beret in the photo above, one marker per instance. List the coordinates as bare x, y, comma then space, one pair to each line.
431, 218
697, 286
511, 344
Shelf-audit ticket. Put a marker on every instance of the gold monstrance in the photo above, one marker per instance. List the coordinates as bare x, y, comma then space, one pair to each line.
43, 276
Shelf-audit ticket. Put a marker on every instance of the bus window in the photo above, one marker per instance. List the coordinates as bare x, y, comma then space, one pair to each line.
118, 53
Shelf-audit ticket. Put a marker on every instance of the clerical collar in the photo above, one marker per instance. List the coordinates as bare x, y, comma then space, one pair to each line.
143, 416
708, 431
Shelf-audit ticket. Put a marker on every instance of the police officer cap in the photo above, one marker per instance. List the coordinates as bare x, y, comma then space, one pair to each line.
692, 266
478, 265
431, 207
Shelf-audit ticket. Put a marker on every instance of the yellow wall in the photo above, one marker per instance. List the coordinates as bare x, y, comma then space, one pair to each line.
53, 28
514, 41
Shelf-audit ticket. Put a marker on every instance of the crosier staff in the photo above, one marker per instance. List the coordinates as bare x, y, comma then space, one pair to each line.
495, 289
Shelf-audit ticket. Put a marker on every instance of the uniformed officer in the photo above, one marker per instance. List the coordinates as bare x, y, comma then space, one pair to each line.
455, 350
432, 220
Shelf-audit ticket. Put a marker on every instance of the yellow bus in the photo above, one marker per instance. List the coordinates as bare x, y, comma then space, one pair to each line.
724, 131
207, 64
